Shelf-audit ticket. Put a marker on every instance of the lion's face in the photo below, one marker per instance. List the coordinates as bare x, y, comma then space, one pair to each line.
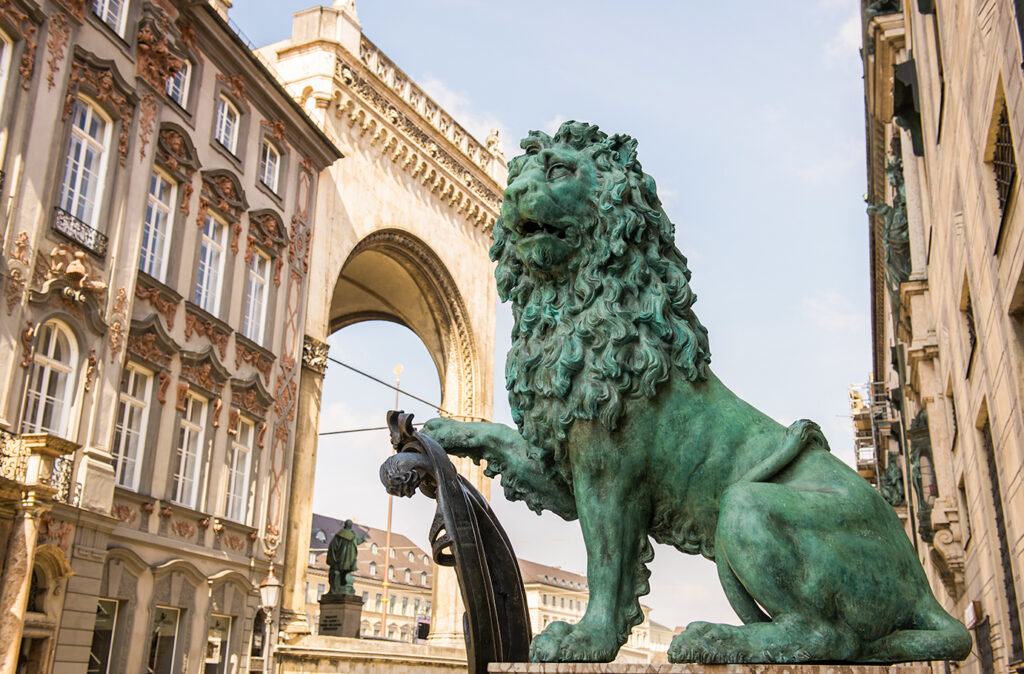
547, 201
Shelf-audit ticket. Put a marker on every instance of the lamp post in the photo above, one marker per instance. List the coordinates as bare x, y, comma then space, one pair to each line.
270, 594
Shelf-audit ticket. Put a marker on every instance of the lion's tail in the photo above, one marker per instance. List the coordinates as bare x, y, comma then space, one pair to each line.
801, 435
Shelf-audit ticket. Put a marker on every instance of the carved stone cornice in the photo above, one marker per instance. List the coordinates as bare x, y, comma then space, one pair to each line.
200, 322
149, 342
248, 351
100, 79
314, 354
947, 548
400, 136
250, 396
222, 191
267, 227
67, 279
176, 152
163, 298
203, 370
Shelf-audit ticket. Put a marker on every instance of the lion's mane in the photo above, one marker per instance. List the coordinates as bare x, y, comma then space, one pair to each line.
618, 324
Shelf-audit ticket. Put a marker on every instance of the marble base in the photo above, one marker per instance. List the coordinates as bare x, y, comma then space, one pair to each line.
340, 615
616, 668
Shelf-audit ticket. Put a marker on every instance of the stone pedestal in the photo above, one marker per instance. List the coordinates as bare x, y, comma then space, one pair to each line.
340, 615
614, 668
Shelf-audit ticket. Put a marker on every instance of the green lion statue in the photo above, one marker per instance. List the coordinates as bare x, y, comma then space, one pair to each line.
623, 425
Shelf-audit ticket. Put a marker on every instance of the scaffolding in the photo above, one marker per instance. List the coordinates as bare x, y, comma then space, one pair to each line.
871, 415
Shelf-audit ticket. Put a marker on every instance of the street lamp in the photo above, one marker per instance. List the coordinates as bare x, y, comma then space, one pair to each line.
270, 594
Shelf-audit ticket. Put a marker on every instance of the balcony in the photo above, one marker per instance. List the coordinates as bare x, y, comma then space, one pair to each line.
79, 232
40, 462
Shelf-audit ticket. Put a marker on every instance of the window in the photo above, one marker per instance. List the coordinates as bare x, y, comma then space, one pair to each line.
1003, 161
177, 84
48, 394
226, 127
161, 645
366, 595
256, 300
130, 426
218, 640
211, 265
377, 601
112, 12
426, 560
312, 558
188, 453
102, 636
85, 163
156, 227
423, 577
239, 461
391, 573
412, 557
6, 47
270, 165
321, 536
373, 548
258, 626
415, 606
321, 588
373, 568
391, 552
405, 606
309, 593
408, 575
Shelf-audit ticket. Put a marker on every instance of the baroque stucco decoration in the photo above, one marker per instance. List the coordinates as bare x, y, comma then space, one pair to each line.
623, 425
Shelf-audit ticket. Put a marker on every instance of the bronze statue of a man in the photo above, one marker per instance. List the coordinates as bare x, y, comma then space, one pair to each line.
341, 559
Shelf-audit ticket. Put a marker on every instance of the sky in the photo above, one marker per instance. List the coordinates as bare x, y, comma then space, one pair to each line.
750, 117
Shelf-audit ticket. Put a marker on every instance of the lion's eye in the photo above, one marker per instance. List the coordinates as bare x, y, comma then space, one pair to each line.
556, 171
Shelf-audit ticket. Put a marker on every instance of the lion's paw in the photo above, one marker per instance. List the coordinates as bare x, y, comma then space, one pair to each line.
562, 642
706, 643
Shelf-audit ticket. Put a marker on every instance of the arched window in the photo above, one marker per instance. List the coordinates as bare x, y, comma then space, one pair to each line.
373, 548
408, 575
48, 393
426, 560
423, 578
258, 625
373, 568
412, 557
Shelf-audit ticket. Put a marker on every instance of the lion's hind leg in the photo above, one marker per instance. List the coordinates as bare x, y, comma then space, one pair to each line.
940, 637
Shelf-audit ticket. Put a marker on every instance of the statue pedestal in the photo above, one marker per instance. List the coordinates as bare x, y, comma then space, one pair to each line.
340, 614
623, 668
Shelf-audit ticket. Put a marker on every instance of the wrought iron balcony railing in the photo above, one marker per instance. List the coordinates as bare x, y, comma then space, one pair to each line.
79, 232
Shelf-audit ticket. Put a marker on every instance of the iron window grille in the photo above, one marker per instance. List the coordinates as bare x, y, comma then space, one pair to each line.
79, 232
1003, 161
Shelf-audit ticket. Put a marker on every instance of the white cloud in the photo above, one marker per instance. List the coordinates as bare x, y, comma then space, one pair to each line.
461, 108
829, 310
846, 40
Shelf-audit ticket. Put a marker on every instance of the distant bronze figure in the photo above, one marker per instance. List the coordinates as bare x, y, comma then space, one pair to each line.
342, 554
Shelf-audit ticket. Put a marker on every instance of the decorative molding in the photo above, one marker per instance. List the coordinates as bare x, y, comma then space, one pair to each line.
203, 370
182, 394
175, 151
161, 390
106, 87
236, 84
299, 246
27, 28
75, 7
247, 351
467, 191
261, 431
70, 264
250, 396
15, 289
155, 62
120, 302
223, 191
90, 369
218, 405
163, 298
147, 115
148, 341
183, 529
267, 228
947, 553
276, 129
115, 339
314, 354
56, 43
123, 512
200, 322
28, 337
20, 248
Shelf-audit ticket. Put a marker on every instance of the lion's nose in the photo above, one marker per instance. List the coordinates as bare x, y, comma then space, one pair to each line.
516, 190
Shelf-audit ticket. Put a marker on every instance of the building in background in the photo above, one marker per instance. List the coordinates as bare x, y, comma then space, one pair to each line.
551, 593
158, 201
944, 96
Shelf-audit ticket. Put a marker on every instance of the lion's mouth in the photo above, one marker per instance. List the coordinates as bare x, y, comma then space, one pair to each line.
528, 228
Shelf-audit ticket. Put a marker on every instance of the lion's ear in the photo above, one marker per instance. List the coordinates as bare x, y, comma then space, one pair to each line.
624, 148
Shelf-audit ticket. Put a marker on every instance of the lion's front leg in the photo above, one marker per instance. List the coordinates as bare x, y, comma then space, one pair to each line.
508, 454
614, 521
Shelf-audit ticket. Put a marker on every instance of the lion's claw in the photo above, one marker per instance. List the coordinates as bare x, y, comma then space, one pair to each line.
562, 642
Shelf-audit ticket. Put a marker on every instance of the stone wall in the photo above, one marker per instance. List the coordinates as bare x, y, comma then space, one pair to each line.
316, 654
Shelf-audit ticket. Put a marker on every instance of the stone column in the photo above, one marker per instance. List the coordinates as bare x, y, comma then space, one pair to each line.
300, 494
17, 578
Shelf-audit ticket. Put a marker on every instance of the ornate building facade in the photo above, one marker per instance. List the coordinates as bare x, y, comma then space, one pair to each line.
941, 427
158, 208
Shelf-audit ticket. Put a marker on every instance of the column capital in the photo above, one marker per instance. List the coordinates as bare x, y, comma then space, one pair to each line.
314, 354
